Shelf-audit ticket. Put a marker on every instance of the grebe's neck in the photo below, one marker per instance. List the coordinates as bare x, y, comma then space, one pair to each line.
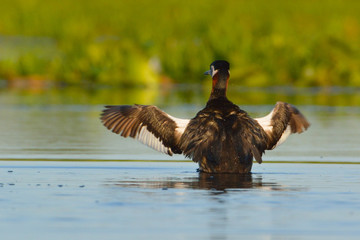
219, 85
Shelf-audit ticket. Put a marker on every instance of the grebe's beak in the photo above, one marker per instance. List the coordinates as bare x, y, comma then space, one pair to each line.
207, 72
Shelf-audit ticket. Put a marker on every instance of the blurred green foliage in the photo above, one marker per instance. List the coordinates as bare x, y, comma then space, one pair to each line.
142, 42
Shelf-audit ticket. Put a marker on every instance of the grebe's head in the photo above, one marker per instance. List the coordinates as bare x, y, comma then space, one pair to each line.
220, 67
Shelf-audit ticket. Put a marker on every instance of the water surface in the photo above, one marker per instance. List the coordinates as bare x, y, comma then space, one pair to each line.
129, 200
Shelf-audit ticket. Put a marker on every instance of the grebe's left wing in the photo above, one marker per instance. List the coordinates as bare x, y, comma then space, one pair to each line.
147, 124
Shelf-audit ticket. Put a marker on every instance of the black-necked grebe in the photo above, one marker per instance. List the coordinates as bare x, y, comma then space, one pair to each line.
222, 138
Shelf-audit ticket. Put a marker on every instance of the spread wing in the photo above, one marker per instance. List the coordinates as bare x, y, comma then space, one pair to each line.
282, 121
147, 124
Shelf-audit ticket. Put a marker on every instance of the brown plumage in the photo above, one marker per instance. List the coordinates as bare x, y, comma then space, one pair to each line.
222, 138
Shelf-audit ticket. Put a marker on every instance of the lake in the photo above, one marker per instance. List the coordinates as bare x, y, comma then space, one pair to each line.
64, 175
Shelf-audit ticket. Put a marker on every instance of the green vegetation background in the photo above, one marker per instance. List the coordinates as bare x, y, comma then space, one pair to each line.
139, 42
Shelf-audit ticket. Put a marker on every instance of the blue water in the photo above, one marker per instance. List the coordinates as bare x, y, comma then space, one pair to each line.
152, 200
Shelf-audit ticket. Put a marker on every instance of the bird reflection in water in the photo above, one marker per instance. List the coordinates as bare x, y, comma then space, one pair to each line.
220, 183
